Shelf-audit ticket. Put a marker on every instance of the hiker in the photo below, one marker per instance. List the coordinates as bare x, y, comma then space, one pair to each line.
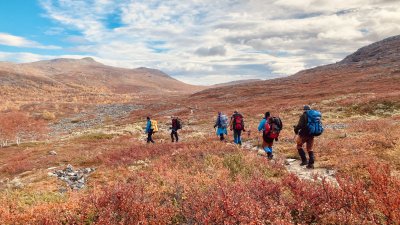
176, 125
237, 125
221, 124
149, 130
307, 128
271, 127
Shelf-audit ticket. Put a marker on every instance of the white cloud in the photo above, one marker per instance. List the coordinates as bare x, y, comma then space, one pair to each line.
16, 41
195, 40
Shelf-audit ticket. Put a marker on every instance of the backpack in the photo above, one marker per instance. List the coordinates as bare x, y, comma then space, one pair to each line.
154, 126
273, 127
223, 121
178, 124
314, 124
238, 122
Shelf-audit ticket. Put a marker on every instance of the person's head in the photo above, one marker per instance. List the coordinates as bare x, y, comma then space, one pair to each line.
219, 113
148, 118
306, 107
267, 114
235, 112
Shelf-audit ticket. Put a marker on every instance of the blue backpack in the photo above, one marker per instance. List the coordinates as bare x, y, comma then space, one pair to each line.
314, 124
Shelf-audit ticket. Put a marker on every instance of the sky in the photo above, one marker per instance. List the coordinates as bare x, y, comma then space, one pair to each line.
196, 41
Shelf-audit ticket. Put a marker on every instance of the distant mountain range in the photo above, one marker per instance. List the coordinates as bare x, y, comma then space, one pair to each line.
86, 73
372, 70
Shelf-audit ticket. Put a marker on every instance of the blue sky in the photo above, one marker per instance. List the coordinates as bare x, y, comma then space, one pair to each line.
199, 42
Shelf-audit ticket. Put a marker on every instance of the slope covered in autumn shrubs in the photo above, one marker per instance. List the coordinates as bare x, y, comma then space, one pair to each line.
207, 182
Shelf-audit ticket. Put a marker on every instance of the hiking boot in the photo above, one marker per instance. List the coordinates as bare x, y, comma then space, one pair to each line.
303, 157
270, 155
311, 160
303, 163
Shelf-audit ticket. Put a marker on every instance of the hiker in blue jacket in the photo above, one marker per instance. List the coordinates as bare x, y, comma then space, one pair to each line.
221, 123
149, 131
267, 142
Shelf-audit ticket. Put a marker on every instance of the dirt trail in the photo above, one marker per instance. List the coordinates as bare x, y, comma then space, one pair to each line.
293, 166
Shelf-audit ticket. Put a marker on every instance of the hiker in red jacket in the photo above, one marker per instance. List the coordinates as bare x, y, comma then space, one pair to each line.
237, 125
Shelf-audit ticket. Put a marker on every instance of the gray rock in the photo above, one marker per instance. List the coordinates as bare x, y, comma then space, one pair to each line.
52, 153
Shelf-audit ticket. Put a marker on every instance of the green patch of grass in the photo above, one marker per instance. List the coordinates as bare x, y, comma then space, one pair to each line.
30, 144
375, 108
236, 165
33, 198
96, 136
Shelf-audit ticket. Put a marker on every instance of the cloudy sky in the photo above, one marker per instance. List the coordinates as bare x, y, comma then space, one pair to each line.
196, 41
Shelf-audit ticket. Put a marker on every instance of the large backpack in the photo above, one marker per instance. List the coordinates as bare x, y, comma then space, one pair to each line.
223, 121
238, 122
273, 127
314, 123
154, 126
178, 124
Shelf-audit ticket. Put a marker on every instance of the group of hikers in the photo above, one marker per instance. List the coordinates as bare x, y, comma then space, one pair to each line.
308, 127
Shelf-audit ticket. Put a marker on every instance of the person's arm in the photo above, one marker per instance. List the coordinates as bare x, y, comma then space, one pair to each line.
216, 122
301, 124
243, 124
261, 125
148, 126
231, 123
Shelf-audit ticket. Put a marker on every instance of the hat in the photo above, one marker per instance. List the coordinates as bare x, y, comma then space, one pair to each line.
267, 114
306, 107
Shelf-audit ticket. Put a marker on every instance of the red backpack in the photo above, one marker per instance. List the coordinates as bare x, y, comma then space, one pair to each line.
238, 122
273, 127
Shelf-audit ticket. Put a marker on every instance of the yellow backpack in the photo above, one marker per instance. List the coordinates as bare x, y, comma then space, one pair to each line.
154, 126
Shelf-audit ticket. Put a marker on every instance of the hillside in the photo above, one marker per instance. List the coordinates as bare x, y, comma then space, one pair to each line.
88, 73
70, 84
237, 82
372, 70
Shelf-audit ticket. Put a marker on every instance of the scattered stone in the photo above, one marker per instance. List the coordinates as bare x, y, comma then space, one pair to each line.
52, 153
344, 135
289, 161
16, 183
261, 152
138, 165
75, 179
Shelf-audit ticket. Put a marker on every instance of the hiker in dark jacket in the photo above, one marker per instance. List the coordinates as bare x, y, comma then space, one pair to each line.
174, 128
149, 131
237, 125
302, 138
267, 142
221, 123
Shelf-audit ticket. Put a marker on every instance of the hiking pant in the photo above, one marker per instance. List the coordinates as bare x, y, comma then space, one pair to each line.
267, 145
308, 140
236, 136
174, 133
149, 137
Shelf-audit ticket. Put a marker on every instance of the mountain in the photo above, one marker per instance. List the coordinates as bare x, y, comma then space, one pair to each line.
236, 82
87, 73
372, 70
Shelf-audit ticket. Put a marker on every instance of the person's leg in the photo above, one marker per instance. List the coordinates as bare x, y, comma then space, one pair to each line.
221, 137
235, 136
151, 136
172, 135
300, 142
310, 143
148, 137
271, 155
239, 138
176, 136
